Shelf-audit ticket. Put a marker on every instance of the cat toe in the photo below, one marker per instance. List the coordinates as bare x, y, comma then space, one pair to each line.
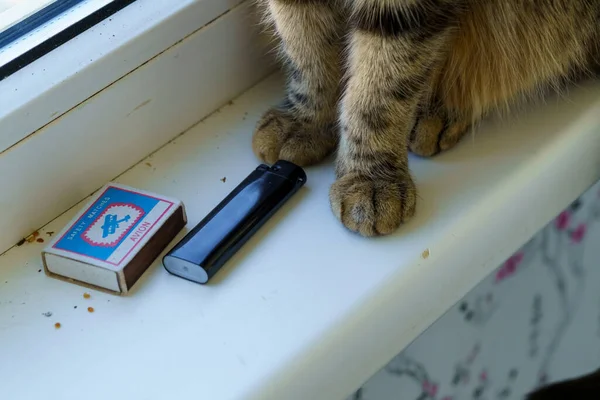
433, 134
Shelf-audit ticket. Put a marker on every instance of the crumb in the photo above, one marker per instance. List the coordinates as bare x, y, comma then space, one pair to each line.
32, 237
148, 164
425, 254
90, 309
86, 296
57, 325
47, 314
21, 242
40, 240
224, 179
49, 233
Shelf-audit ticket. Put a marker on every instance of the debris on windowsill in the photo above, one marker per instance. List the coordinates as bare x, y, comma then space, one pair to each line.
425, 254
31, 238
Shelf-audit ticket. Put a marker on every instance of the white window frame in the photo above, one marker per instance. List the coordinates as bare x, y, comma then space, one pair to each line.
94, 59
187, 56
51, 32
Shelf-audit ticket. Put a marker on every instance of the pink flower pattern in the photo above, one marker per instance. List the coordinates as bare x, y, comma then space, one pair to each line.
563, 220
430, 388
579, 233
509, 267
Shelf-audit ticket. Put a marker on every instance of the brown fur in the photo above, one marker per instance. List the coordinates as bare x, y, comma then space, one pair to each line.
377, 78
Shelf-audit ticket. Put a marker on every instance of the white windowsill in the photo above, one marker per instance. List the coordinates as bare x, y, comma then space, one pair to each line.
306, 310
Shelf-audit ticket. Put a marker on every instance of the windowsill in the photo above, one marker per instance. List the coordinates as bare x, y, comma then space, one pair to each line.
306, 309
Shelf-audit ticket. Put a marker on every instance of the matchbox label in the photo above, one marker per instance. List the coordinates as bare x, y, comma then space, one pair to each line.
114, 225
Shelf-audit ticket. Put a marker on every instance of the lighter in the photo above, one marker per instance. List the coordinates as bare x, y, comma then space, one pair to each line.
206, 248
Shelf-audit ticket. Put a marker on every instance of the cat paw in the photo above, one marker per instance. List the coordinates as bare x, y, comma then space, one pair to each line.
280, 136
434, 134
373, 207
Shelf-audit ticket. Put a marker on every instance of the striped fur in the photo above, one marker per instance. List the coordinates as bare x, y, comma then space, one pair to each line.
378, 78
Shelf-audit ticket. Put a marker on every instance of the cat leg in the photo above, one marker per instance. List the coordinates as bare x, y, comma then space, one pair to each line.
303, 128
436, 130
395, 45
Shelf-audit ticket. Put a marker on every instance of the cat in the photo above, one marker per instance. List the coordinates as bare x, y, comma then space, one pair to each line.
375, 79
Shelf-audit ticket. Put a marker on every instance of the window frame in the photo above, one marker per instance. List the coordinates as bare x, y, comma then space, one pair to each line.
46, 29
57, 82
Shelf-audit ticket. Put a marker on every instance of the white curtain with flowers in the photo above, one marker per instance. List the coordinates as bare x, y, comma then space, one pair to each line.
535, 320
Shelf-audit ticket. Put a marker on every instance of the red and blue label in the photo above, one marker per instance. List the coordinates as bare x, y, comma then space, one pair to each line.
114, 225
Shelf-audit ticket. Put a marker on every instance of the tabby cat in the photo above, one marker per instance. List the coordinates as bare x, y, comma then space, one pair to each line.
375, 79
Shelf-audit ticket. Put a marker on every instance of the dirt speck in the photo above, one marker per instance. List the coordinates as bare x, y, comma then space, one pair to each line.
75, 307
57, 325
230, 103
31, 238
148, 164
39, 270
47, 314
90, 309
21, 242
40, 240
425, 254
87, 296
224, 179
50, 233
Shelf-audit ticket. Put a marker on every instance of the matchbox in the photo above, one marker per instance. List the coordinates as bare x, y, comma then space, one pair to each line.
114, 238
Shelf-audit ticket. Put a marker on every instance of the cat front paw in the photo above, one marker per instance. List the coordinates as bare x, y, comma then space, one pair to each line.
281, 136
373, 206
433, 134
